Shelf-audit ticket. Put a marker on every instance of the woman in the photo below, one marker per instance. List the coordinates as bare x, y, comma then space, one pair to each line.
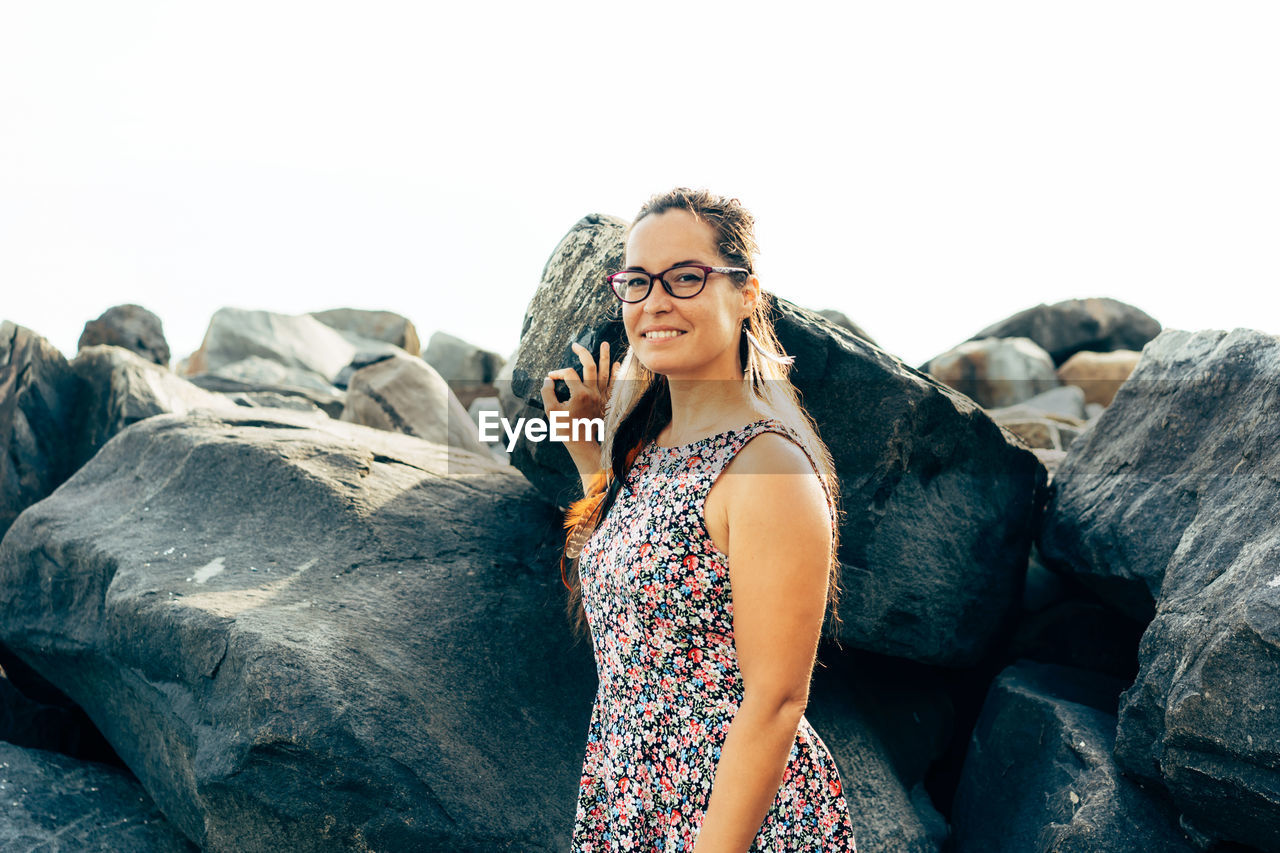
708, 536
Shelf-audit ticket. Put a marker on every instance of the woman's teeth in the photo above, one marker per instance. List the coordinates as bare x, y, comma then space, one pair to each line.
670, 334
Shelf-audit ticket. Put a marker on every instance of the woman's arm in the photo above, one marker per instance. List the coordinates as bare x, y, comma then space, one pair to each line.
780, 540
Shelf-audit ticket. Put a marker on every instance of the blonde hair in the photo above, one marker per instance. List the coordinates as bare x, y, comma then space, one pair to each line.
639, 406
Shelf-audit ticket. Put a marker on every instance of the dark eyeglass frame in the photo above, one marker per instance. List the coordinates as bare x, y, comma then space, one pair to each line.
666, 285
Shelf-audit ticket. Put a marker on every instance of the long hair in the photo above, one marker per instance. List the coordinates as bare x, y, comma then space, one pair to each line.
639, 407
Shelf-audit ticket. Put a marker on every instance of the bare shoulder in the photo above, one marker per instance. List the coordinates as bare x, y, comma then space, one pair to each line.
771, 453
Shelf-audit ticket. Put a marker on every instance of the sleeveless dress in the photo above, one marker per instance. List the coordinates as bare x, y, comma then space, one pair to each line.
656, 592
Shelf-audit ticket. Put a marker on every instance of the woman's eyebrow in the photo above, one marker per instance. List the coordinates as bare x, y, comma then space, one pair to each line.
676, 264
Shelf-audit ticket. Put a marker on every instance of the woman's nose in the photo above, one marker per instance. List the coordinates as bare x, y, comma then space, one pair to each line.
658, 298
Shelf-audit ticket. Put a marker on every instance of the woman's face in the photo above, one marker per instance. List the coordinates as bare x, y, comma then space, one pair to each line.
709, 323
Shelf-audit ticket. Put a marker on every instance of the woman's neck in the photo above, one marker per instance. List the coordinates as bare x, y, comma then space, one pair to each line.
702, 407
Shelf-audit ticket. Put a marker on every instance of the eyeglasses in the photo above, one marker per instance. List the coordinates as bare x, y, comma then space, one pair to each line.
686, 281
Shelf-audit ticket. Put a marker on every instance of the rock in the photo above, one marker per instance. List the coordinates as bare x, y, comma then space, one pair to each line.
1039, 774
330, 402
56, 803
359, 325
304, 639
1100, 324
122, 388
1064, 403
995, 371
1166, 505
403, 394
1099, 374
469, 370
881, 749
1128, 489
38, 396
132, 327
299, 341
258, 372
940, 503
277, 400
845, 323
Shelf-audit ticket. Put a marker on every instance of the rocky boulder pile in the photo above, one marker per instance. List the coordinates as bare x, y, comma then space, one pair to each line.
282, 596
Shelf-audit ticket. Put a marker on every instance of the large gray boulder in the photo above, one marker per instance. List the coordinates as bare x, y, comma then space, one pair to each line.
132, 327
1039, 776
469, 370
941, 503
1100, 324
404, 394
295, 341
38, 396
1167, 507
121, 388
305, 639
360, 325
58, 804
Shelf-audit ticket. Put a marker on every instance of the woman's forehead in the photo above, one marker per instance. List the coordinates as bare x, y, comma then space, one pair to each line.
670, 236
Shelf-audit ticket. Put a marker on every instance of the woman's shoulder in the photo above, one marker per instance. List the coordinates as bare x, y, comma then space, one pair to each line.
772, 448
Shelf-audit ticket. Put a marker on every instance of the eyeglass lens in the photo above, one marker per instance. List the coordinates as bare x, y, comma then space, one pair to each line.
632, 286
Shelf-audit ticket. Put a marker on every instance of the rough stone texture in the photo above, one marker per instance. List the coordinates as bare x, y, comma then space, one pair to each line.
1169, 502
1188, 431
1039, 775
55, 804
330, 402
258, 372
403, 394
882, 736
121, 388
1101, 324
299, 341
995, 372
359, 325
886, 722
132, 327
38, 396
1099, 374
304, 639
570, 299
469, 370
940, 501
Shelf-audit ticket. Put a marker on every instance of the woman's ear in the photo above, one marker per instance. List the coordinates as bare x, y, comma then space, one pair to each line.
751, 294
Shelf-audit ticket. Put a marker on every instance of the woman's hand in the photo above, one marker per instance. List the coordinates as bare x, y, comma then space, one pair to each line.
587, 395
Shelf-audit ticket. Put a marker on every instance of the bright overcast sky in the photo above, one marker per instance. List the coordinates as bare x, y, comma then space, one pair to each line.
926, 168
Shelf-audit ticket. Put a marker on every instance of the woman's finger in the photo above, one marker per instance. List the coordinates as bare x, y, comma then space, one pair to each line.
570, 377
549, 401
606, 366
588, 363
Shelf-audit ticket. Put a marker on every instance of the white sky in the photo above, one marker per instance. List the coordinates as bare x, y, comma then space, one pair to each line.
927, 168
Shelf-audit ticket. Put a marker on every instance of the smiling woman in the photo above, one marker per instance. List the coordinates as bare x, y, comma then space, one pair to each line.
708, 558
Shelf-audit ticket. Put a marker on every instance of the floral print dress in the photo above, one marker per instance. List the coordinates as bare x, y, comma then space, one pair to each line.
656, 591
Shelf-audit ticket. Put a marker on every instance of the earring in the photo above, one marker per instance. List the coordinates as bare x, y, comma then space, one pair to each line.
755, 344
